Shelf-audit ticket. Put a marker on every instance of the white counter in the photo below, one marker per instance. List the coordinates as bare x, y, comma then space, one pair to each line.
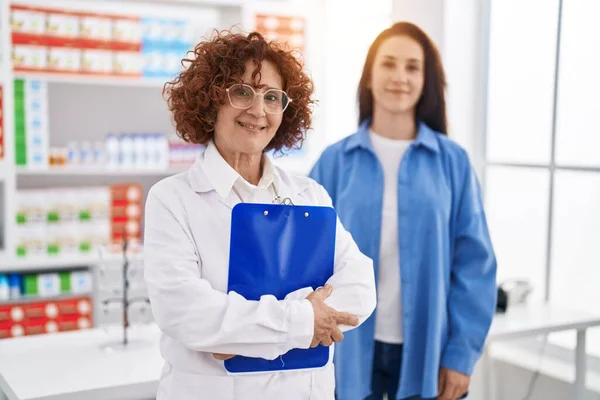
75, 365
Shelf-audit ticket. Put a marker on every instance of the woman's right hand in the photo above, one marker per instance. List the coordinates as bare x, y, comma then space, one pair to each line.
327, 319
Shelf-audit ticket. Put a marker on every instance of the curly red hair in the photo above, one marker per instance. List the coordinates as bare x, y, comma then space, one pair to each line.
196, 94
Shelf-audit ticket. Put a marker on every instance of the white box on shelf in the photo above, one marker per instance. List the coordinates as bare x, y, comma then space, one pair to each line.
62, 24
28, 21
64, 59
97, 61
36, 123
128, 63
96, 28
30, 241
30, 57
81, 282
48, 284
127, 30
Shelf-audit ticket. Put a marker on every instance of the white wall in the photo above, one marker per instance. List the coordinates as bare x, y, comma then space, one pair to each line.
428, 14
456, 26
350, 27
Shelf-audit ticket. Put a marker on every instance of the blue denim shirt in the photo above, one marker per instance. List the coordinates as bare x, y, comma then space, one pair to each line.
447, 263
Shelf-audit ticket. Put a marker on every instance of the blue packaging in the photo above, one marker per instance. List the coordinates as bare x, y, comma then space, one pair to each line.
14, 286
4, 289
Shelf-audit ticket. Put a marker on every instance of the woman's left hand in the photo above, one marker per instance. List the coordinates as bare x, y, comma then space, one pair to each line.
452, 384
223, 357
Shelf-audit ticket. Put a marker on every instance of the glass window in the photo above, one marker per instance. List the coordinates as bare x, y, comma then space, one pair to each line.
517, 211
578, 138
521, 80
576, 239
520, 111
575, 257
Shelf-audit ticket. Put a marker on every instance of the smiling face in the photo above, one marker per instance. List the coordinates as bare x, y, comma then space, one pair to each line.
249, 131
398, 75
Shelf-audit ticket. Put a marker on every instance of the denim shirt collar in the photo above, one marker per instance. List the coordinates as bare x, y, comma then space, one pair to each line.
426, 138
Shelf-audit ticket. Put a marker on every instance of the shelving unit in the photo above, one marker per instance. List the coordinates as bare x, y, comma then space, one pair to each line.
32, 299
99, 171
86, 108
76, 79
12, 264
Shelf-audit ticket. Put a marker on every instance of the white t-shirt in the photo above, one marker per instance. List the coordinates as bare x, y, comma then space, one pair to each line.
388, 325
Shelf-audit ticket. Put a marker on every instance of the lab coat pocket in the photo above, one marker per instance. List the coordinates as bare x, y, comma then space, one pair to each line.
186, 386
323, 383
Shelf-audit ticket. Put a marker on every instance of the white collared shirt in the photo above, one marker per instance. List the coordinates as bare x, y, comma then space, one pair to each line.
186, 254
225, 179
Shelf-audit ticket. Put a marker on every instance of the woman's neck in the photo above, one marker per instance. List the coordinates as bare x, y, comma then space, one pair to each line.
394, 126
249, 166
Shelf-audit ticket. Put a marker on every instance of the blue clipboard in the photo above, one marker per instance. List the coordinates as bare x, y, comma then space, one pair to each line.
277, 249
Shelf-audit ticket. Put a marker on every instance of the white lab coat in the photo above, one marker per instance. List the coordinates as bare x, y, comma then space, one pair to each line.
186, 255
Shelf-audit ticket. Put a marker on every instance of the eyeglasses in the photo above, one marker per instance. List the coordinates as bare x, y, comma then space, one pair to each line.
241, 96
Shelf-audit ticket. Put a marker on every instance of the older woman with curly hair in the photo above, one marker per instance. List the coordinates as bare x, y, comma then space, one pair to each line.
241, 96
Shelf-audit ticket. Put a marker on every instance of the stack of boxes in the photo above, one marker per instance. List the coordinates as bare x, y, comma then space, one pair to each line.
53, 284
31, 318
37, 303
78, 221
31, 123
164, 43
126, 215
286, 30
65, 41
62, 221
15, 286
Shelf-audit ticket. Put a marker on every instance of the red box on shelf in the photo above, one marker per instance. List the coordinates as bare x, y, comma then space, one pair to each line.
62, 28
8, 330
74, 322
28, 25
126, 33
5, 314
126, 215
11, 313
45, 316
68, 41
34, 311
75, 307
4, 330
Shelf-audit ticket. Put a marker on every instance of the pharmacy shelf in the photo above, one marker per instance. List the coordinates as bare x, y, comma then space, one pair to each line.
80, 79
99, 171
217, 3
61, 262
34, 299
4, 169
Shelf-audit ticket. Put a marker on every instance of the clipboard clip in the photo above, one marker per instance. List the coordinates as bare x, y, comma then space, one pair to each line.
286, 201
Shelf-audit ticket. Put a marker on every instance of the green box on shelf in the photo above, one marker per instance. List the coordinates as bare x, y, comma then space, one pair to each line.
21, 218
85, 247
19, 85
65, 281
21, 159
53, 249
30, 285
52, 216
21, 251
